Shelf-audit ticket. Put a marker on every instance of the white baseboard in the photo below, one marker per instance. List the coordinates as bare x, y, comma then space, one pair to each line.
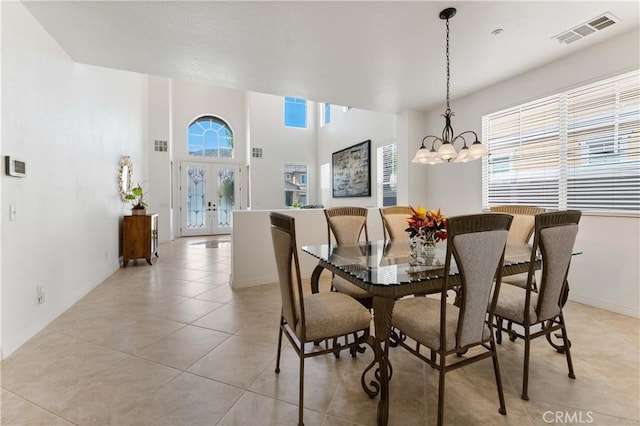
12, 343
624, 310
253, 283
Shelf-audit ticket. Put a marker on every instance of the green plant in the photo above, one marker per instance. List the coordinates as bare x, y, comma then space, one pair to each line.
136, 197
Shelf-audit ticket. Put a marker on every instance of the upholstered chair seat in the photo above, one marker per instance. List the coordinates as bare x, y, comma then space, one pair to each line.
518, 280
511, 303
419, 318
331, 314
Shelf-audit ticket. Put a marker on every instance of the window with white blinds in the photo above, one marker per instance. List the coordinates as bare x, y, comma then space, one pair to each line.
579, 149
387, 178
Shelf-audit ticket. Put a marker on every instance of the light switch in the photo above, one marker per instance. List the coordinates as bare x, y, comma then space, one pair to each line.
12, 212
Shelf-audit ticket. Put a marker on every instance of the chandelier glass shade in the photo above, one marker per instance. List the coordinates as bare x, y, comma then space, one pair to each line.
447, 152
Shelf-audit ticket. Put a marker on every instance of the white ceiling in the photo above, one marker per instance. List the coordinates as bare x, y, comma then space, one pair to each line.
383, 56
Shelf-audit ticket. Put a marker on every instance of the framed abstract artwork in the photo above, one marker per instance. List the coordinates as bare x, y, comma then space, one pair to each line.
351, 171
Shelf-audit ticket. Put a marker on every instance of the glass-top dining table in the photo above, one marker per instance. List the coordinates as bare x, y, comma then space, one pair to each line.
384, 269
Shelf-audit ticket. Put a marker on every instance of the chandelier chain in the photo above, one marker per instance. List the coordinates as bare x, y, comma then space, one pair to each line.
447, 152
448, 76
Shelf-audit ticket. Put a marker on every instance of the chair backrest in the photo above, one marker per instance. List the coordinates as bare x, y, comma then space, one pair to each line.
346, 224
523, 221
394, 222
283, 235
477, 243
555, 236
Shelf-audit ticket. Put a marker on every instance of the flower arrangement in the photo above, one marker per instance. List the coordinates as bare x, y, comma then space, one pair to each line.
429, 225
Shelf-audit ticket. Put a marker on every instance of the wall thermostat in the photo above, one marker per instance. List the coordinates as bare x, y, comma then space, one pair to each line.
13, 167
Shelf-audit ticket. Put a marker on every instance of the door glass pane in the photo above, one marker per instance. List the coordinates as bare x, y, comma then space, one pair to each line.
226, 201
196, 187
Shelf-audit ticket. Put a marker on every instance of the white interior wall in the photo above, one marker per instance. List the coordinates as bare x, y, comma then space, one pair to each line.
159, 185
71, 123
1, 50
353, 127
246, 184
280, 146
412, 127
190, 101
607, 274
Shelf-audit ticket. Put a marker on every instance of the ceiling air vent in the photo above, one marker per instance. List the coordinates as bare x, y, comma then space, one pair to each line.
583, 30
602, 22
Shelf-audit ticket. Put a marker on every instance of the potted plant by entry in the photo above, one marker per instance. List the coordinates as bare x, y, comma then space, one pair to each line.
136, 198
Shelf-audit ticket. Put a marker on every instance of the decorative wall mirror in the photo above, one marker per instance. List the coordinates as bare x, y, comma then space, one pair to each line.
125, 177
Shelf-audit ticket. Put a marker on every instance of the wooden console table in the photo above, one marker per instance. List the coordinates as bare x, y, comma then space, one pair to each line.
139, 238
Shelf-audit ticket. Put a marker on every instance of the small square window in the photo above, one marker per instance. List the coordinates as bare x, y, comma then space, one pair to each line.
295, 112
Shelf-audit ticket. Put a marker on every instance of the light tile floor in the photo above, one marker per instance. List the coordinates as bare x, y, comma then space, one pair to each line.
173, 344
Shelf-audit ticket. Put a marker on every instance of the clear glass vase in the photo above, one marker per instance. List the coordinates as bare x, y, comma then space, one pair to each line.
423, 251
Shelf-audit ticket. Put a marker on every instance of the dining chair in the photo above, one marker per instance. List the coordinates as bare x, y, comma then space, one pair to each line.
555, 235
347, 224
324, 316
523, 221
520, 233
477, 244
394, 222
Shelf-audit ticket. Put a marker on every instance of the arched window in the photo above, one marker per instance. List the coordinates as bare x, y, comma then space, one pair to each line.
210, 136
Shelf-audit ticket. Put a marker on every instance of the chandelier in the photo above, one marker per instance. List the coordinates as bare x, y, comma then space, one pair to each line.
447, 151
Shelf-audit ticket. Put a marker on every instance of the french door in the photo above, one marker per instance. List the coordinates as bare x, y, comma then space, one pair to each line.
208, 192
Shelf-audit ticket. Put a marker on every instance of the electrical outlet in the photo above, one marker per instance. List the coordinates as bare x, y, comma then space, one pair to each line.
12, 212
40, 295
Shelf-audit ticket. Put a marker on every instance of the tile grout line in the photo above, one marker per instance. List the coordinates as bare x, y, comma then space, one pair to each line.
37, 405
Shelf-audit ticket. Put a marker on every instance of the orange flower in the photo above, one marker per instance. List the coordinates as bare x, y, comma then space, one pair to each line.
428, 224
